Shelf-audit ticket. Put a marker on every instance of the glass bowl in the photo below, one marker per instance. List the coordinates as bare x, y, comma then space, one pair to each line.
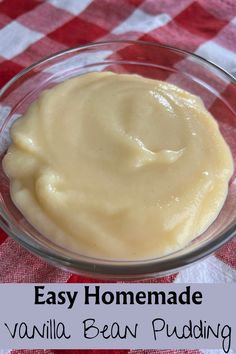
189, 71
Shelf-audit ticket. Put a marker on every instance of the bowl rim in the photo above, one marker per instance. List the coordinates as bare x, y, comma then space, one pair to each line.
109, 268
101, 43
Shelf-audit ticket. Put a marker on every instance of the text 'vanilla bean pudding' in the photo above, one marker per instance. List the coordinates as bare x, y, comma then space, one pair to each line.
118, 166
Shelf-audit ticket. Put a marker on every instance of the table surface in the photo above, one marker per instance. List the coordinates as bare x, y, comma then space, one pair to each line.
32, 29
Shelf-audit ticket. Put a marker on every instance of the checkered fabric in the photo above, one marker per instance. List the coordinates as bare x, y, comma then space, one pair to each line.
32, 29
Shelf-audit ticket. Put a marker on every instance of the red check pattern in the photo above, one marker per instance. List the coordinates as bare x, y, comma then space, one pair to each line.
30, 30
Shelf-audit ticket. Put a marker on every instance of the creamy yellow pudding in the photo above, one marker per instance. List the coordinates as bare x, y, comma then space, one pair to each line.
118, 166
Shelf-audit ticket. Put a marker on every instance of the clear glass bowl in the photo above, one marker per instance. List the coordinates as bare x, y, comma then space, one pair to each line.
216, 88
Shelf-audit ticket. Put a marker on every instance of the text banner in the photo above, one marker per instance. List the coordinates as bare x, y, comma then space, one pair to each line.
118, 316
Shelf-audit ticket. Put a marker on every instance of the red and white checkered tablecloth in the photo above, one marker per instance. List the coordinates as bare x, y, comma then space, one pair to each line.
32, 29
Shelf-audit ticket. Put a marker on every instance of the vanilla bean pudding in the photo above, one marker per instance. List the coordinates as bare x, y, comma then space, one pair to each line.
118, 166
